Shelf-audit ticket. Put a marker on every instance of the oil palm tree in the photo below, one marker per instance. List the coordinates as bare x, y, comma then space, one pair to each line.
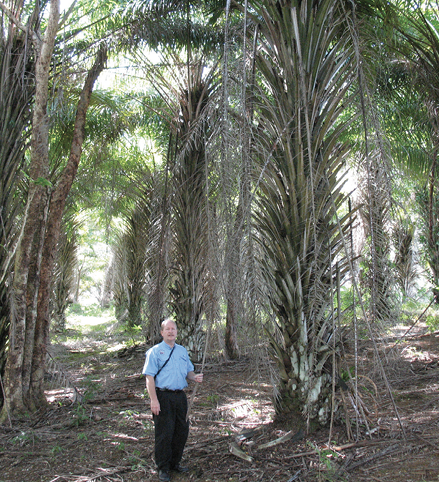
17, 87
422, 35
305, 65
410, 89
64, 281
131, 257
190, 208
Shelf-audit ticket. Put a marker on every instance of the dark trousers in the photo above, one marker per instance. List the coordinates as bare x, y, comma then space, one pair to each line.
171, 429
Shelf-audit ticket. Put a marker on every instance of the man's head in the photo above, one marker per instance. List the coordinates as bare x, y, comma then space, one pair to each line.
169, 331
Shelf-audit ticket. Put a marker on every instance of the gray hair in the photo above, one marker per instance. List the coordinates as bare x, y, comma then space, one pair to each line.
166, 321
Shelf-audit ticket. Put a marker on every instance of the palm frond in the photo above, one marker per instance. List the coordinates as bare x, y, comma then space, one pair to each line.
64, 273
16, 93
57, 377
130, 260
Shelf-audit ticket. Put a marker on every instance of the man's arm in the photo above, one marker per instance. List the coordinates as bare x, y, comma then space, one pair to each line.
195, 378
150, 386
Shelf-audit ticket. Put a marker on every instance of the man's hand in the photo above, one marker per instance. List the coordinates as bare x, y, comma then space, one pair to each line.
198, 377
195, 378
155, 407
150, 386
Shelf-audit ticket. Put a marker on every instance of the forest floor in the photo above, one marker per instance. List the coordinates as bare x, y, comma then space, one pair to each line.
109, 437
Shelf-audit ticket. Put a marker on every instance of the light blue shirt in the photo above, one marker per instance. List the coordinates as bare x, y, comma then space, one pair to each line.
173, 376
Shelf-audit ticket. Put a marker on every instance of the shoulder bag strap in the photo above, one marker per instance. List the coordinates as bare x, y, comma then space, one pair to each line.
164, 364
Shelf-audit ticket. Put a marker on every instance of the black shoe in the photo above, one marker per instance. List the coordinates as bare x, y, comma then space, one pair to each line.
181, 469
164, 476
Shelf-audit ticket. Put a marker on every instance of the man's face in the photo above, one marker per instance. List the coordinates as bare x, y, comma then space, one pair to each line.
169, 332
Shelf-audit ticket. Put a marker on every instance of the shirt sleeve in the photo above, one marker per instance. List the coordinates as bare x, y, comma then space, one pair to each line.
151, 366
190, 366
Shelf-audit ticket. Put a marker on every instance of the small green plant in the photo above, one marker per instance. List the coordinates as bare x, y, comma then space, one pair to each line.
129, 414
148, 425
80, 416
432, 321
135, 333
22, 439
82, 436
213, 399
56, 450
327, 458
347, 374
93, 387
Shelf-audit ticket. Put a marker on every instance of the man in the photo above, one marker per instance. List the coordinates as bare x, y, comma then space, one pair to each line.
167, 369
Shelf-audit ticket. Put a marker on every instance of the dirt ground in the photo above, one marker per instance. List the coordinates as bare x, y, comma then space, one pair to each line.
389, 432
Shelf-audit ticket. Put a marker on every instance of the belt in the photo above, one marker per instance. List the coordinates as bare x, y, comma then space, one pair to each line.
167, 390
